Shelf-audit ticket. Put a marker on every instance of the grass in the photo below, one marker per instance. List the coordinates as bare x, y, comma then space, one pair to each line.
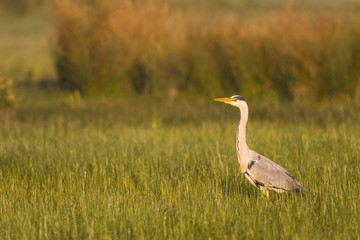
67, 171
155, 167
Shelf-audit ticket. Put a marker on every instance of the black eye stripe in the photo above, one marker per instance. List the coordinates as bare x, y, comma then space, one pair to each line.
238, 97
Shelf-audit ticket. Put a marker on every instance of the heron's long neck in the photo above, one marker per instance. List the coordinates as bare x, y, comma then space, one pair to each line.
242, 148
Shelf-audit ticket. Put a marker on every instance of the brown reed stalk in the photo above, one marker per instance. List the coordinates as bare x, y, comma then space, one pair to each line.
150, 48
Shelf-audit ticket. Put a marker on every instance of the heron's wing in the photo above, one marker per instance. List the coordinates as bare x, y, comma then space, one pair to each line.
266, 173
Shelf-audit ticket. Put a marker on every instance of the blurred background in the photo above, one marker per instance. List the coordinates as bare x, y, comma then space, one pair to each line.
156, 61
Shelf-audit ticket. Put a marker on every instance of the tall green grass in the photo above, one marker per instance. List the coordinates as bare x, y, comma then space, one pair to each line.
64, 181
155, 48
85, 168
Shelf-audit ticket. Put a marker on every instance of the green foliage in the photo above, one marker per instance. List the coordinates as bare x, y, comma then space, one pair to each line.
7, 97
22, 6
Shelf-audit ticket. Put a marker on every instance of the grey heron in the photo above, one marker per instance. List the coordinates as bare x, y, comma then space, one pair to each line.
259, 170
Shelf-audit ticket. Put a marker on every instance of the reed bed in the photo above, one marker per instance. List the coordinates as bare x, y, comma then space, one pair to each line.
156, 49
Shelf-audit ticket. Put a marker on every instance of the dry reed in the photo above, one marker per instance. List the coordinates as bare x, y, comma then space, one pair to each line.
150, 48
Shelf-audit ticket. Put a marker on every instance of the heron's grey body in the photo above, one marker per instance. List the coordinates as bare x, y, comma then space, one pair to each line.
267, 175
259, 170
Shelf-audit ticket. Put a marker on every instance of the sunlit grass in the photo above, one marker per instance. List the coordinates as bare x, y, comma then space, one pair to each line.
96, 176
163, 166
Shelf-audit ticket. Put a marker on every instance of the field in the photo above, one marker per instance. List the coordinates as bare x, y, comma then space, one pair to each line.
81, 171
137, 149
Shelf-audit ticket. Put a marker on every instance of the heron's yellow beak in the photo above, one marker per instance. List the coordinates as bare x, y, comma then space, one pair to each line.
225, 100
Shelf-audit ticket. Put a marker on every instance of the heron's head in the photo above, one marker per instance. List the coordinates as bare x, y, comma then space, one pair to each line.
236, 100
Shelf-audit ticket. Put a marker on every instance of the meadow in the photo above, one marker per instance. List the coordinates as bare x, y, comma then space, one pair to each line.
71, 169
137, 148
